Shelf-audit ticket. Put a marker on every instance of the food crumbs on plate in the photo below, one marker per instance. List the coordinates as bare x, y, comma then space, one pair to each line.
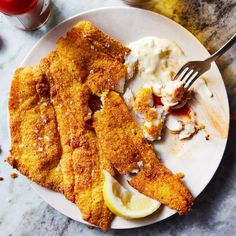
207, 137
14, 175
0, 149
180, 175
201, 126
1, 178
90, 227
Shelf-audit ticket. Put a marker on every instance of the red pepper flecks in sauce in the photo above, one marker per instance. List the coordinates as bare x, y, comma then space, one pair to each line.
157, 100
183, 111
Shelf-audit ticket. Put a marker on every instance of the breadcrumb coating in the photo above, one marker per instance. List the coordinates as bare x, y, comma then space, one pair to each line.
123, 144
52, 141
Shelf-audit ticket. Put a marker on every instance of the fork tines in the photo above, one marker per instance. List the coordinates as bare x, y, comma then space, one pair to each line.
190, 71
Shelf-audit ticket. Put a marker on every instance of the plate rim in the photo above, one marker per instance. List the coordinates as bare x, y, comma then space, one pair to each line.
35, 186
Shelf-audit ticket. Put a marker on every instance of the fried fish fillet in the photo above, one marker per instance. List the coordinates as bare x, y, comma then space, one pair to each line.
123, 144
80, 64
52, 142
36, 147
81, 164
98, 58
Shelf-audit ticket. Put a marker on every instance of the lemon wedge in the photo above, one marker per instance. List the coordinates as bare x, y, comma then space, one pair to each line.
124, 203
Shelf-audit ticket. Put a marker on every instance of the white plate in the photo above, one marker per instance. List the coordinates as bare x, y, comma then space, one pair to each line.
197, 158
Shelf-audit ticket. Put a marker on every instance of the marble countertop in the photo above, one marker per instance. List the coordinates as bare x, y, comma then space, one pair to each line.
23, 212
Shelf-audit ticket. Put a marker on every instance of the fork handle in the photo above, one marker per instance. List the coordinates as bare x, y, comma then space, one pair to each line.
222, 50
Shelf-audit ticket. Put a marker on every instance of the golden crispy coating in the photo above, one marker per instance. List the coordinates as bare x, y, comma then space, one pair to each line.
122, 143
80, 156
88, 60
101, 40
143, 101
55, 146
115, 130
61, 93
36, 147
153, 130
144, 105
100, 215
97, 57
156, 181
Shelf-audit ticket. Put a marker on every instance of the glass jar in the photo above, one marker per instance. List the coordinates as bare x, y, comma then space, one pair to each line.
26, 14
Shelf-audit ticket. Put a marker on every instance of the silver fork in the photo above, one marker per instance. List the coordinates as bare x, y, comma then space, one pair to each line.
194, 69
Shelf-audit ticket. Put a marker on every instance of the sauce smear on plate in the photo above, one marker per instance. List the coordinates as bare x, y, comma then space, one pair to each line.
157, 100
183, 111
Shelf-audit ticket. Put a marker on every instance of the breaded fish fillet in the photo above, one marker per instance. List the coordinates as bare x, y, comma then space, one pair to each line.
52, 141
123, 144
116, 130
90, 57
36, 147
97, 57
80, 155
100, 40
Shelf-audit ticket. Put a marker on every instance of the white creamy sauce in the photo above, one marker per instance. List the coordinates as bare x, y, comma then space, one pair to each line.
158, 60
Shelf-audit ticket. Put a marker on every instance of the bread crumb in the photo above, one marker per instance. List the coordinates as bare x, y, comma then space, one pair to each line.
21, 145
14, 175
1, 178
36, 131
140, 164
180, 175
107, 45
40, 149
201, 126
207, 137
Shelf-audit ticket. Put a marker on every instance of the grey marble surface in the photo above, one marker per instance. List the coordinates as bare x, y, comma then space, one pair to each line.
23, 212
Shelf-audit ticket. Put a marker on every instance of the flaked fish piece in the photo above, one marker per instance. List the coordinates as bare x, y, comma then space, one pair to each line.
35, 141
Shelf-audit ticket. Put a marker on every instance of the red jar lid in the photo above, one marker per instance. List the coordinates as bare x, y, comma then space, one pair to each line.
16, 7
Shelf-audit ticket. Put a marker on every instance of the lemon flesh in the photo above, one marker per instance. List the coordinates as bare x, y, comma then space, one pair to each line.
124, 203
